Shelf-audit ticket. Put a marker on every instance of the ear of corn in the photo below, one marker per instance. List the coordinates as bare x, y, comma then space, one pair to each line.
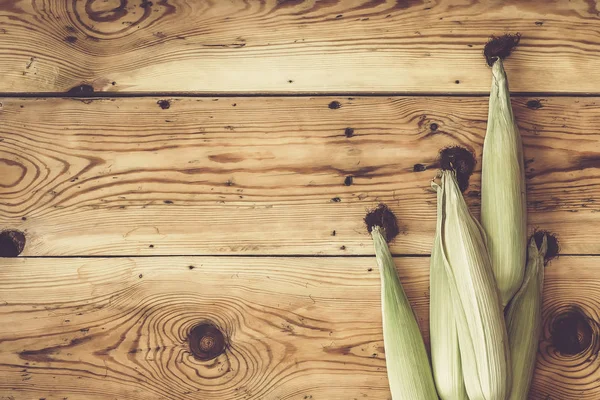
482, 336
408, 368
503, 203
445, 355
524, 321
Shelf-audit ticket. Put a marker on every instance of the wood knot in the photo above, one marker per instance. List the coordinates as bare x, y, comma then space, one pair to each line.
334, 105
206, 342
573, 332
164, 104
534, 104
419, 168
12, 243
102, 19
81, 90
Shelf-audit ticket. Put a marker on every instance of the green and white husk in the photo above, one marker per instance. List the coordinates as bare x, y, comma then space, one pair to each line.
503, 203
524, 321
443, 334
408, 368
482, 336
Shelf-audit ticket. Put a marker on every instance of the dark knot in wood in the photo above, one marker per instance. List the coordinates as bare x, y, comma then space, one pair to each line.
573, 332
206, 341
12, 243
81, 90
102, 19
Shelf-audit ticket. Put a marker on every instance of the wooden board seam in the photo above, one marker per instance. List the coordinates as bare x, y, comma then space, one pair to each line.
225, 255
116, 95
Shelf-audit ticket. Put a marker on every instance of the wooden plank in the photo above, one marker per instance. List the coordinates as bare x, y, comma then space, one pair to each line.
294, 46
267, 175
295, 327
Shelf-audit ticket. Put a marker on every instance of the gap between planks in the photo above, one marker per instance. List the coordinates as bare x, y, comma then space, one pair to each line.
258, 256
104, 95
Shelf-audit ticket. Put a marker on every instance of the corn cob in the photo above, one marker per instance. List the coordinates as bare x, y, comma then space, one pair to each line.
503, 203
408, 368
482, 335
524, 317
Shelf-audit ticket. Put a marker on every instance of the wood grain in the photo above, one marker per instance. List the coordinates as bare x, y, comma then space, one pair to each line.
296, 328
269, 175
275, 46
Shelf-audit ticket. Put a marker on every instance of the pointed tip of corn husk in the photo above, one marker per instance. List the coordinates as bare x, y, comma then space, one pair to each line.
552, 243
461, 161
383, 217
500, 47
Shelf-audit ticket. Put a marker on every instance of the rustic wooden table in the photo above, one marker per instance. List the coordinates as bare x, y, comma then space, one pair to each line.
174, 163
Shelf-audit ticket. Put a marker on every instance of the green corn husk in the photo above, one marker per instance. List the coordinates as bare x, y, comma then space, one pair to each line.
408, 369
482, 335
445, 353
524, 321
503, 203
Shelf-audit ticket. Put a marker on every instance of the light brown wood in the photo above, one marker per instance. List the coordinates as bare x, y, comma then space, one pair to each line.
294, 45
264, 175
179, 177
296, 327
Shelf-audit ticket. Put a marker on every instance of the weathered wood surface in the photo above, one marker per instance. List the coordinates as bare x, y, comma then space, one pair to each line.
294, 45
268, 175
296, 327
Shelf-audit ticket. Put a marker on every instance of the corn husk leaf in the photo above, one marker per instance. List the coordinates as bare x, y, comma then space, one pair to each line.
482, 335
408, 368
443, 334
503, 202
524, 321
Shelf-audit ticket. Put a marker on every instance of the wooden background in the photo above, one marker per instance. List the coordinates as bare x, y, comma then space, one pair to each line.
174, 162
